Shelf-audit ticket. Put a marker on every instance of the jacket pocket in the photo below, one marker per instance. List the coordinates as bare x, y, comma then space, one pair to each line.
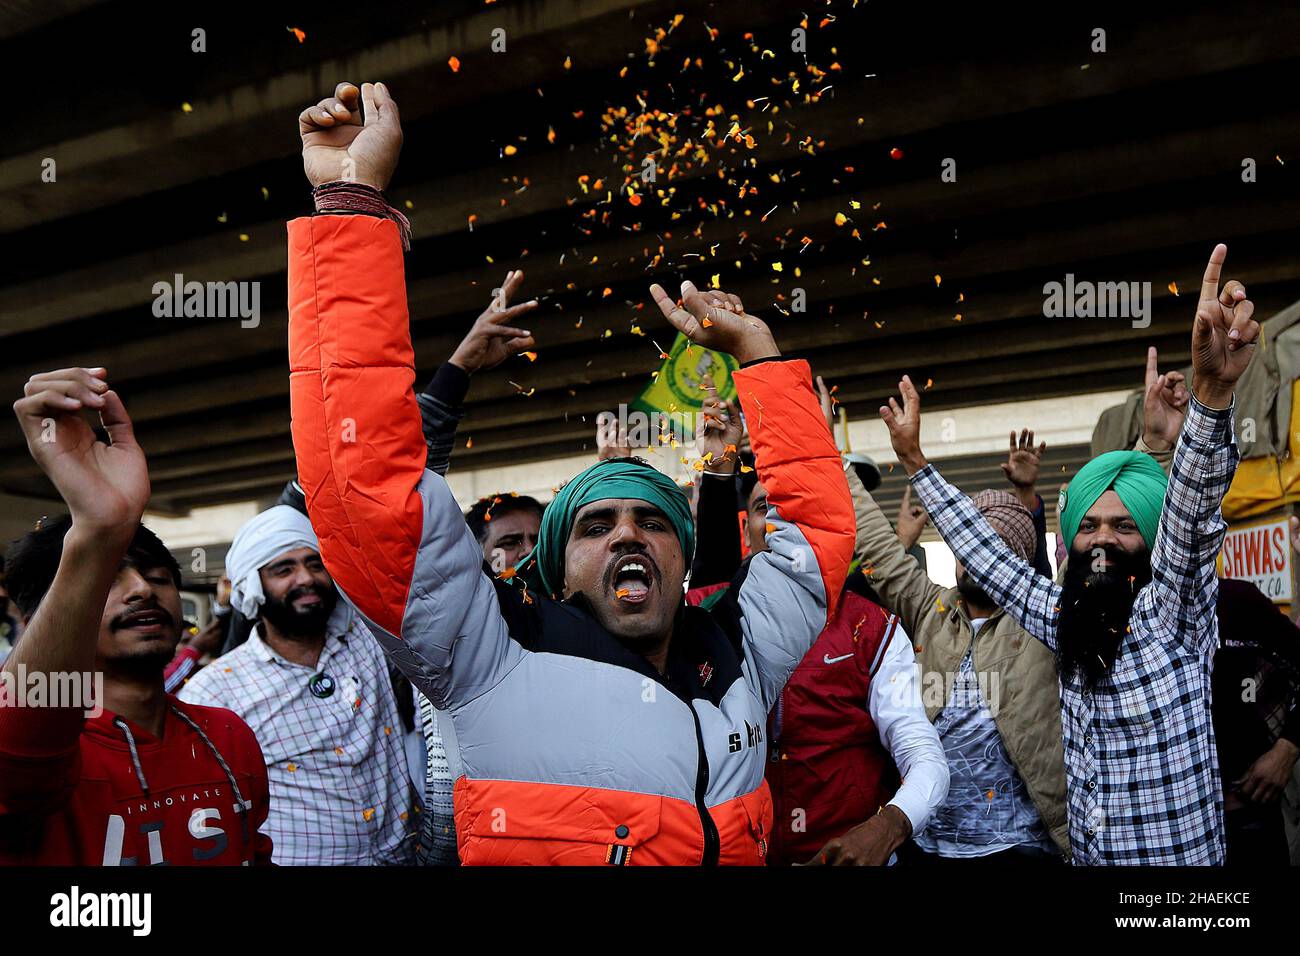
506, 822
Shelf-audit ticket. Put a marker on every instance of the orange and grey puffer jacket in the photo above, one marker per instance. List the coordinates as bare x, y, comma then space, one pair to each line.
572, 749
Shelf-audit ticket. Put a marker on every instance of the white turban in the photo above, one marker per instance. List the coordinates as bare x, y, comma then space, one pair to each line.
259, 542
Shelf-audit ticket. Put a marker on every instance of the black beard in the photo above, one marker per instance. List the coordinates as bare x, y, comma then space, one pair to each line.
1095, 611
291, 622
972, 593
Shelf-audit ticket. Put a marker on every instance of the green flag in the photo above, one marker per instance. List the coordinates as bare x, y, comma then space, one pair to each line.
676, 390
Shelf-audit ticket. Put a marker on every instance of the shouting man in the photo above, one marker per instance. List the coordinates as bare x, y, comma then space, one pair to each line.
1134, 627
599, 719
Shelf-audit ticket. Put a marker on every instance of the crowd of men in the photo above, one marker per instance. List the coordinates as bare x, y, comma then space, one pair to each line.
628, 674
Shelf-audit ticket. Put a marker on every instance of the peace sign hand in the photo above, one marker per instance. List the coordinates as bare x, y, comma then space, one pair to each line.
493, 339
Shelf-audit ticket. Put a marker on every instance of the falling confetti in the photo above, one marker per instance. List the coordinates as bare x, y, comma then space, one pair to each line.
895, 153
454, 63
1173, 287
302, 37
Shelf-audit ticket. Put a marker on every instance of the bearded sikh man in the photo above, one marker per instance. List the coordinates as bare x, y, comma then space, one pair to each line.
316, 689
1134, 625
599, 719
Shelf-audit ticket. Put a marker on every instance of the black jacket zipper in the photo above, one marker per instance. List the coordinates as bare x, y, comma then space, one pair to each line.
712, 842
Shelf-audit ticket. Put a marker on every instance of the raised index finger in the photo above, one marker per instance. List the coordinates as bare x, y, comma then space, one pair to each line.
1210, 281
1153, 365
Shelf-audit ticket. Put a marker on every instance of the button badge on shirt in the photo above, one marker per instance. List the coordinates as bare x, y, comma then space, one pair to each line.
321, 685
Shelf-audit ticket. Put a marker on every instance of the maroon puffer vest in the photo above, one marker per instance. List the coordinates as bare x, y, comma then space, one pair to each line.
827, 767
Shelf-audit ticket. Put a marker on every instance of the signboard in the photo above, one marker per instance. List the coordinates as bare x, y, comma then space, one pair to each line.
1260, 554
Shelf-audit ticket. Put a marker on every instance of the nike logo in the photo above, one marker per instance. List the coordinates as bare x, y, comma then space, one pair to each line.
835, 660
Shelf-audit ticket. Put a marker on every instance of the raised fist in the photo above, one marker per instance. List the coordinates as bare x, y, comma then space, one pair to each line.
338, 145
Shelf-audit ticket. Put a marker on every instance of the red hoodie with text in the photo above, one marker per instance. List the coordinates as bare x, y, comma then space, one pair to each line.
101, 791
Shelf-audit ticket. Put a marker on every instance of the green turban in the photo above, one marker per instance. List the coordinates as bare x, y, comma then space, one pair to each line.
1133, 475
542, 569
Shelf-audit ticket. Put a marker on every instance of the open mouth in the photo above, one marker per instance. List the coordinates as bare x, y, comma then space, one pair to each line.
305, 599
632, 578
153, 621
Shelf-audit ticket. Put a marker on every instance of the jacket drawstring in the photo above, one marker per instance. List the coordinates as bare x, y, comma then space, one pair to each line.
123, 726
243, 805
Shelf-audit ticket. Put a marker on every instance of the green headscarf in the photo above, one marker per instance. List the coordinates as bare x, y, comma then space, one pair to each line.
1133, 475
542, 569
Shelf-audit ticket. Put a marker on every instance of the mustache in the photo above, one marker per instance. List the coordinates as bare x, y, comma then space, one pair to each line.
1121, 567
121, 621
303, 591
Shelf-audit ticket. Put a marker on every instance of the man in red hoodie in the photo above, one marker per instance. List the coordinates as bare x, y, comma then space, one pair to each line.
137, 778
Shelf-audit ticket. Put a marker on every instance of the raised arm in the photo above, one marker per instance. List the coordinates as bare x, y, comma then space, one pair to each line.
1205, 458
898, 579
490, 341
789, 590
1021, 468
1012, 583
717, 539
106, 488
391, 533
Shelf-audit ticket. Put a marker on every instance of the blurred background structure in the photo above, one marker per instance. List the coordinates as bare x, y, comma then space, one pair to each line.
777, 169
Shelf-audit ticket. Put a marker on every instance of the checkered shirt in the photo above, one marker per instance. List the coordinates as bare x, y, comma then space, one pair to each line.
341, 790
1142, 773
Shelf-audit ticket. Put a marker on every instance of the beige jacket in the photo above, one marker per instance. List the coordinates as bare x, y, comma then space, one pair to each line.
1016, 672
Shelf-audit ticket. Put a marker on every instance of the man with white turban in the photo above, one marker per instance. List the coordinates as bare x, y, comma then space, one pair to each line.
313, 685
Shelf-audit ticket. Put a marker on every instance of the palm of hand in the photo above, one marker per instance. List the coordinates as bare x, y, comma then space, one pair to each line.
720, 428
1022, 468
1210, 346
108, 482
1162, 416
491, 351
345, 152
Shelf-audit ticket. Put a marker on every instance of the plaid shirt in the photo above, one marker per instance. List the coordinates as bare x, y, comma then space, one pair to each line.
341, 790
1142, 774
